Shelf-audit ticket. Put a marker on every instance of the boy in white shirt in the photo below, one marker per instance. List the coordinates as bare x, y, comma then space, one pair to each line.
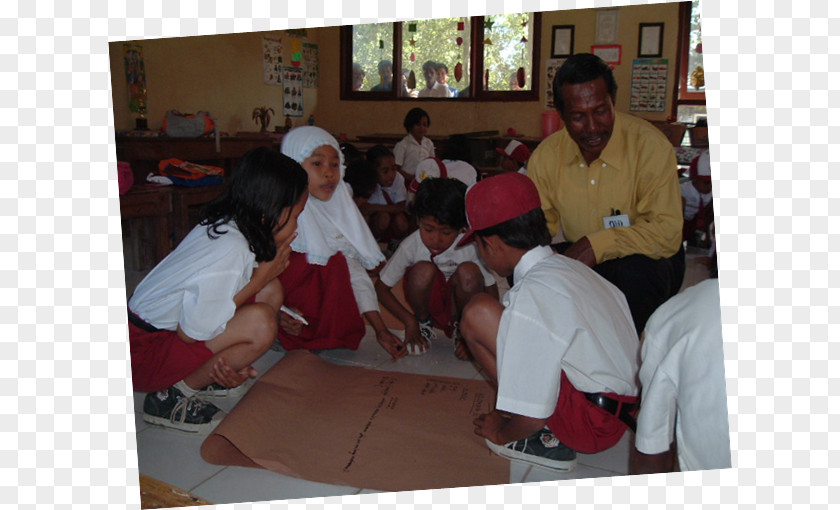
561, 346
439, 278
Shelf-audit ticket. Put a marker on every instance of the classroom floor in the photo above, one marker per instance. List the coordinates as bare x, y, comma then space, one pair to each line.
173, 457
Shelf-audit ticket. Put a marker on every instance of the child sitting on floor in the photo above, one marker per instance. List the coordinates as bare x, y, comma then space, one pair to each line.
561, 346
327, 282
438, 278
514, 157
207, 311
385, 209
697, 200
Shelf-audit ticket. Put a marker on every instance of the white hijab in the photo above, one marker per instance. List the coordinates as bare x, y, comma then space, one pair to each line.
322, 225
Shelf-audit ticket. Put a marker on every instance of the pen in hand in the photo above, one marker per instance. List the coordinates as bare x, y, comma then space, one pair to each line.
294, 315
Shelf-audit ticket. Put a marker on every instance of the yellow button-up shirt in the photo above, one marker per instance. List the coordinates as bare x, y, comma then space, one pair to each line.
635, 174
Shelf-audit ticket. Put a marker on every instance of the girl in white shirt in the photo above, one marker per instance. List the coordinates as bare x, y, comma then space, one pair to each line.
415, 147
327, 280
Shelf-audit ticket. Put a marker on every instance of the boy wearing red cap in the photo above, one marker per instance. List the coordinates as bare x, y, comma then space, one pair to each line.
561, 345
514, 157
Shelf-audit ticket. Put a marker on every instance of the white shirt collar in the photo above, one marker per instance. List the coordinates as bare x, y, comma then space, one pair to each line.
529, 260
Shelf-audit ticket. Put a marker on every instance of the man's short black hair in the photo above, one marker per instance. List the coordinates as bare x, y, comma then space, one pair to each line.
413, 117
443, 200
582, 68
524, 232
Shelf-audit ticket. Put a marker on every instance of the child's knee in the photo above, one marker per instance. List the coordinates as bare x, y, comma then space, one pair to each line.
422, 275
263, 321
380, 221
468, 277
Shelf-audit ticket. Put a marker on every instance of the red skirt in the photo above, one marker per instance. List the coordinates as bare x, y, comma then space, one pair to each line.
325, 298
583, 426
159, 359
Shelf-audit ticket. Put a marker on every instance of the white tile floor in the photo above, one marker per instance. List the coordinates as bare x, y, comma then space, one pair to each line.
174, 457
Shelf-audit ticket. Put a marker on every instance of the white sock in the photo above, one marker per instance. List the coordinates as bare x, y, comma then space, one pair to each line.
186, 390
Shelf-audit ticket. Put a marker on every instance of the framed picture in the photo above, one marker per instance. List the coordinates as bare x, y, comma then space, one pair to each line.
610, 53
606, 26
650, 39
562, 41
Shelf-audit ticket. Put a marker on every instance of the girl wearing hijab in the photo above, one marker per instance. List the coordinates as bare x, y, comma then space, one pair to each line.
327, 281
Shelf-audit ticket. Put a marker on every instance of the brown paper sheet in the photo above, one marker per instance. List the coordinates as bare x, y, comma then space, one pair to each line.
358, 427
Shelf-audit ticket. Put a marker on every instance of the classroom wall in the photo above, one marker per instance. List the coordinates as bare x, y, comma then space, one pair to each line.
223, 74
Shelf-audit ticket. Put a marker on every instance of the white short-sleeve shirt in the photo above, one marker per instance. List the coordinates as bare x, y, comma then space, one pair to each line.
455, 169
560, 315
683, 381
412, 250
396, 192
408, 152
694, 200
194, 286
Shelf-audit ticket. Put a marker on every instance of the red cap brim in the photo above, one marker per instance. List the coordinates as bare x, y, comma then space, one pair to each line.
467, 239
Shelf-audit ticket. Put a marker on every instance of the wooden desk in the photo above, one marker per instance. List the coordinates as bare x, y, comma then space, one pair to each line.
146, 205
144, 153
156, 218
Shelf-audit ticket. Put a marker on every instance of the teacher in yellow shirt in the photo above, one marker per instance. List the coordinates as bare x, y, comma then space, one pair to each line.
609, 181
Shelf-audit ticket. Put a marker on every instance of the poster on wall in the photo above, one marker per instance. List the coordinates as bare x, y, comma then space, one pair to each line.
648, 85
551, 67
293, 91
310, 65
272, 61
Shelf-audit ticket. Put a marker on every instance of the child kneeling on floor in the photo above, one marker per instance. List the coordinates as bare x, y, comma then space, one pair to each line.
561, 345
207, 311
438, 277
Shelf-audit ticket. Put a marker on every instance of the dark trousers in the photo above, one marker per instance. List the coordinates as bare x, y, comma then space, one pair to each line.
645, 282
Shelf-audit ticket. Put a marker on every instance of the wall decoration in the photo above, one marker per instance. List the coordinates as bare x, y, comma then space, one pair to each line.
551, 67
310, 65
606, 26
562, 41
648, 85
272, 61
611, 53
296, 51
135, 77
293, 91
650, 39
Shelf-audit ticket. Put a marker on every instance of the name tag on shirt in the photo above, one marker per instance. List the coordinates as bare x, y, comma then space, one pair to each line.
617, 220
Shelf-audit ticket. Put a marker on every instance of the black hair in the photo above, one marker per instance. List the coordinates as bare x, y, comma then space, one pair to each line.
442, 199
441, 64
264, 184
457, 147
350, 152
429, 64
581, 68
524, 232
360, 174
375, 153
413, 117
383, 63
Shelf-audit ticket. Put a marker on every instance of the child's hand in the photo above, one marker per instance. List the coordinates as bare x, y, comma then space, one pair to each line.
289, 324
226, 376
415, 341
391, 343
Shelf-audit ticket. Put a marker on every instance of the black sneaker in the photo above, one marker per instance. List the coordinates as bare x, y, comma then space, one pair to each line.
219, 391
543, 449
170, 408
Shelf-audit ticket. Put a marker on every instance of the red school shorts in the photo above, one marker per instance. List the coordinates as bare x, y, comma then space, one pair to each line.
440, 302
583, 426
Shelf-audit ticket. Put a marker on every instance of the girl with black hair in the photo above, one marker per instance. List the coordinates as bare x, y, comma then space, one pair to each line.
208, 310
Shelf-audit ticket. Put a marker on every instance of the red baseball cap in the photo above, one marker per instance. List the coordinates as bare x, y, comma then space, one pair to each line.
497, 199
516, 150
